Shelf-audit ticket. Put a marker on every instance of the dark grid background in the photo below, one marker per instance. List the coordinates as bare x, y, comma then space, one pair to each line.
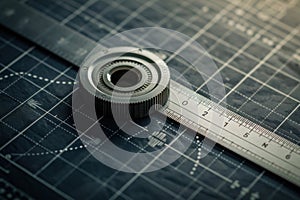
256, 47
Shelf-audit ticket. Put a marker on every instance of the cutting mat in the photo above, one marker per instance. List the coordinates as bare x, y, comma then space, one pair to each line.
262, 83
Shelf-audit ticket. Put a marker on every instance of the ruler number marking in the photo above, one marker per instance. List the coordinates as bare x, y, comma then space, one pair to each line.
204, 113
246, 135
225, 124
185, 103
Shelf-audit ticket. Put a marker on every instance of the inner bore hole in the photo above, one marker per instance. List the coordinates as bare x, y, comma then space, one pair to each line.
125, 77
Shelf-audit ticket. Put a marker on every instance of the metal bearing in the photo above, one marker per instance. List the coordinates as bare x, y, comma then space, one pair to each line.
125, 79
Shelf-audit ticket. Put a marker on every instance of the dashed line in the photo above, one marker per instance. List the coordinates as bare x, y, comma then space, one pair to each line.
213, 153
249, 31
34, 76
49, 152
196, 164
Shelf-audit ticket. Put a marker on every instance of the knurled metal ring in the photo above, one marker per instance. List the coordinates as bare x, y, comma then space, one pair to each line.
125, 78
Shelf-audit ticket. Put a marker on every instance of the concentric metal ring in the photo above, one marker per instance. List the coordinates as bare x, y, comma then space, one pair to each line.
127, 80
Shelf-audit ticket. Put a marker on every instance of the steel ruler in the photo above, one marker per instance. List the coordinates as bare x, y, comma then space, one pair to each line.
240, 135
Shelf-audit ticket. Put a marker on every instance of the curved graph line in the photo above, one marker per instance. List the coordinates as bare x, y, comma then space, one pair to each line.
36, 77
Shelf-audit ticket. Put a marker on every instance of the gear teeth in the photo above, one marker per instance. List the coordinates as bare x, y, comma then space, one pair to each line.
154, 99
136, 110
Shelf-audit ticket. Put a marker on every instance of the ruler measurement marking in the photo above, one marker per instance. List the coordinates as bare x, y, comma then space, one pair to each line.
243, 121
237, 146
231, 143
230, 133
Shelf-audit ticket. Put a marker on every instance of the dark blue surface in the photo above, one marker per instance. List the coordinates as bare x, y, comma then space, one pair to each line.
36, 118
